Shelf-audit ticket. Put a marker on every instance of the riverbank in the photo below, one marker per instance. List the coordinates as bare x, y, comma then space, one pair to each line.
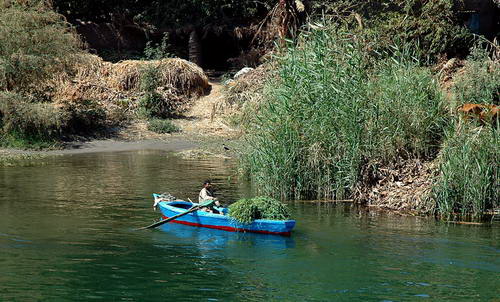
351, 109
180, 143
205, 130
389, 131
201, 134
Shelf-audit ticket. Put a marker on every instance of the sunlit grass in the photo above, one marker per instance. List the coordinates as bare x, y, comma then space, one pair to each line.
334, 109
468, 180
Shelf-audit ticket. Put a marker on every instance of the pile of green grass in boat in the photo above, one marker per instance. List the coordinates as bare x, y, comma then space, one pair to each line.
247, 210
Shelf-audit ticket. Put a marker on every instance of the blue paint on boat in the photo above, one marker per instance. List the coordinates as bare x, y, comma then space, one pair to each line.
222, 221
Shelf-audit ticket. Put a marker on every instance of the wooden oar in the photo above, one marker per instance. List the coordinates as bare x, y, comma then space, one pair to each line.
192, 209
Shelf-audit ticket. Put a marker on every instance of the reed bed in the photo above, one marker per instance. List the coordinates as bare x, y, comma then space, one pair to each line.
468, 180
336, 108
479, 80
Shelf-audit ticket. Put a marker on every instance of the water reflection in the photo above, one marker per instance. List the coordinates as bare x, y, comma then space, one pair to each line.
227, 243
67, 229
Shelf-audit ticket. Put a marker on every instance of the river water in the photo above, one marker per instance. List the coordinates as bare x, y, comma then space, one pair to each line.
67, 233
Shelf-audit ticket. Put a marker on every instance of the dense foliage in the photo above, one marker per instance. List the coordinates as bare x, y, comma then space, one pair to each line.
435, 27
333, 110
468, 172
247, 210
35, 43
479, 82
468, 181
166, 13
25, 123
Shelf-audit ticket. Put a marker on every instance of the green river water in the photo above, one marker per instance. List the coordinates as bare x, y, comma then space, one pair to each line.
67, 233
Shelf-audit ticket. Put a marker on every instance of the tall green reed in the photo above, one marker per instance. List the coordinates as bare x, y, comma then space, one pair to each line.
479, 81
333, 109
468, 180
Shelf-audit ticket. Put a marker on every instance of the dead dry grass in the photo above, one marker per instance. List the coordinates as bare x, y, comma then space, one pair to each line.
118, 85
243, 96
204, 117
402, 187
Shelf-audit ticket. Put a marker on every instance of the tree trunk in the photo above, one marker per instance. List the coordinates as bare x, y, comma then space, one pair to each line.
195, 51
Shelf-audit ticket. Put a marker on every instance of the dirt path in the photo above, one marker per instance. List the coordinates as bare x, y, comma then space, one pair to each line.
201, 118
199, 121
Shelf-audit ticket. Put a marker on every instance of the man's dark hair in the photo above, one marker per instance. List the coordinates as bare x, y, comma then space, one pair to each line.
206, 182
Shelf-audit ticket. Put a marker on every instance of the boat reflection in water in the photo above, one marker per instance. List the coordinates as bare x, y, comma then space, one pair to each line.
232, 243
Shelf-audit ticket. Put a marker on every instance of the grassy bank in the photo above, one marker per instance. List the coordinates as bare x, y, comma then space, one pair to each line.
335, 109
336, 115
468, 180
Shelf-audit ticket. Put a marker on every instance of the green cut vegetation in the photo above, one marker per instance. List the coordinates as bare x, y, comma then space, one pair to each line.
247, 210
333, 109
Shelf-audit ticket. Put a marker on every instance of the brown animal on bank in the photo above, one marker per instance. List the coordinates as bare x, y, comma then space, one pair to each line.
484, 113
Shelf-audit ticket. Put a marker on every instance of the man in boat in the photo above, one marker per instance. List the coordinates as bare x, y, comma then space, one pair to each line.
207, 194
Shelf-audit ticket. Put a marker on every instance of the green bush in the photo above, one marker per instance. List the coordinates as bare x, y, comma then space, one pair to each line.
468, 180
84, 116
336, 108
36, 46
162, 126
43, 122
35, 43
157, 51
153, 104
21, 119
434, 27
479, 82
247, 210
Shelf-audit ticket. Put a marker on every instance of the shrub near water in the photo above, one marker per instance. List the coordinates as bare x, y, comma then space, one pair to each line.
334, 109
247, 210
302, 141
405, 114
162, 126
36, 45
468, 181
25, 124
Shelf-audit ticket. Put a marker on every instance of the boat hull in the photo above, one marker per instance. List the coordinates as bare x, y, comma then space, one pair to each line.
223, 222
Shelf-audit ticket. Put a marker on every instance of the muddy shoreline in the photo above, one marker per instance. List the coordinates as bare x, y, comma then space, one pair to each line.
109, 145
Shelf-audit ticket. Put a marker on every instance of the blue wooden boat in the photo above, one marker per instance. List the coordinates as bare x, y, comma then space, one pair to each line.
221, 221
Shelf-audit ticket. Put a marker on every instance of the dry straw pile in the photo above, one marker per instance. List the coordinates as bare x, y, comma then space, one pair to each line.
119, 84
244, 95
